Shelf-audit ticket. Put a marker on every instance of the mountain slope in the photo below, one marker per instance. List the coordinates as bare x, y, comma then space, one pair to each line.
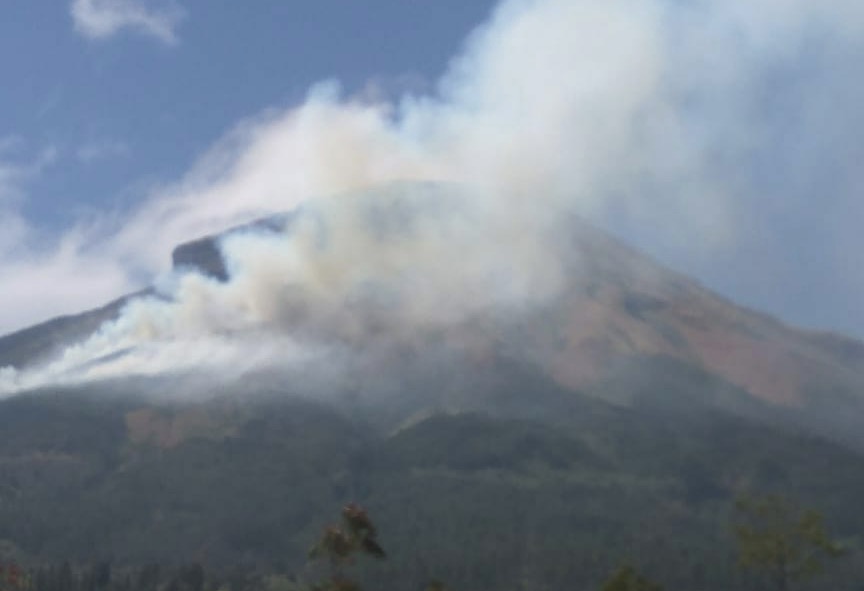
39, 343
482, 500
620, 320
613, 421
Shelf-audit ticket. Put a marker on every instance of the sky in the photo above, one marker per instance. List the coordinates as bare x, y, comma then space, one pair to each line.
723, 138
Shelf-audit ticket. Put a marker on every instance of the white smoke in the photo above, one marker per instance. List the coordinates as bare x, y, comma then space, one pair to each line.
636, 111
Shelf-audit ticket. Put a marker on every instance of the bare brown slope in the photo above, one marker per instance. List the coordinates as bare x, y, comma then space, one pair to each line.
623, 304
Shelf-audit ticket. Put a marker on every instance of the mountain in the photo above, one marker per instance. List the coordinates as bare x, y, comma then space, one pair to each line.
490, 499
39, 343
615, 421
623, 326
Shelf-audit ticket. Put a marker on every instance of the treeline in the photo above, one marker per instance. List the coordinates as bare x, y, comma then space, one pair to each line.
477, 501
782, 544
103, 576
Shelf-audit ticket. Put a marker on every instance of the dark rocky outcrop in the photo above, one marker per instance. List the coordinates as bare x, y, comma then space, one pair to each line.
202, 255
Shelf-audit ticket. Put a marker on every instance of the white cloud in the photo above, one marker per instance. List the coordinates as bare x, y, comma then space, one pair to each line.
101, 19
43, 276
44, 285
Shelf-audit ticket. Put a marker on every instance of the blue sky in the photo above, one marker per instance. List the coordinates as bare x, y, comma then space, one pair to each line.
744, 170
149, 105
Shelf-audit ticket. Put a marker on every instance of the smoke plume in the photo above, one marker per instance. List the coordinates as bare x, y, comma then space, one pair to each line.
424, 212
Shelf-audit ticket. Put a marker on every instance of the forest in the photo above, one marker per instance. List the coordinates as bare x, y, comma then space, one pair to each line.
103, 492
780, 543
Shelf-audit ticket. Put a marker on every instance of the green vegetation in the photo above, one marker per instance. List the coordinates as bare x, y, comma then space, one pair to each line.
339, 547
480, 501
777, 537
627, 579
787, 543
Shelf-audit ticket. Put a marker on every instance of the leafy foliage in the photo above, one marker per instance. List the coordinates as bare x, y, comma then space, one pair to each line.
340, 546
786, 542
482, 499
627, 579
13, 577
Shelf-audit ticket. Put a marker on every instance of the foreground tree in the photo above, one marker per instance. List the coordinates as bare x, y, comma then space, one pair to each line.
12, 578
627, 579
783, 541
339, 546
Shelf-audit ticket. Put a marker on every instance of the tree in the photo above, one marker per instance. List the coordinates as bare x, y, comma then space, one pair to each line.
339, 547
12, 578
786, 542
627, 579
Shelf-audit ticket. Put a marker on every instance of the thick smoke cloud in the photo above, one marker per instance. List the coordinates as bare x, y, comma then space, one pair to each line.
659, 119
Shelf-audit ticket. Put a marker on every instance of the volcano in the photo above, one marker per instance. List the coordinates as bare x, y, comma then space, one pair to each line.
623, 328
616, 418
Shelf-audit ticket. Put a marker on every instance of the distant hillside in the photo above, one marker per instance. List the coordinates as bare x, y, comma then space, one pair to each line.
480, 499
